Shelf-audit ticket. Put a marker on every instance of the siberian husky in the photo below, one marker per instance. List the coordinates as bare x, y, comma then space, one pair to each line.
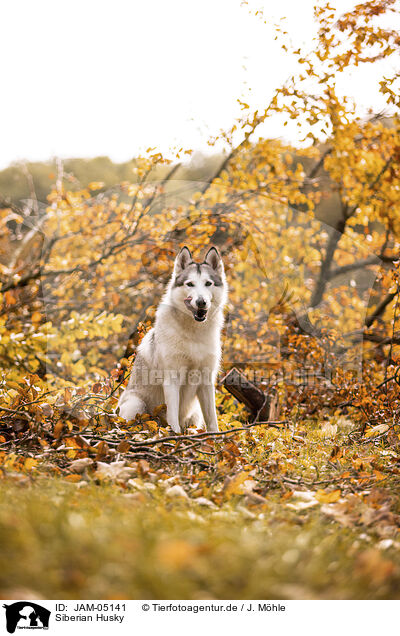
178, 359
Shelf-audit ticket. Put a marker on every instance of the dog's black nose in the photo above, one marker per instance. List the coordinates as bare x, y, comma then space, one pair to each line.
200, 302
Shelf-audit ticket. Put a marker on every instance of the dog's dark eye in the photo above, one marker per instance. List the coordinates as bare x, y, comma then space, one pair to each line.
190, 284
208, 283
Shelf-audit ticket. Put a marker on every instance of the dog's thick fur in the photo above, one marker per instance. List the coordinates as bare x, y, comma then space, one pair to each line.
178, 360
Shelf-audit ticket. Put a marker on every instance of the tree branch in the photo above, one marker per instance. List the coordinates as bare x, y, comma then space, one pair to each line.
325, 270
380, 308
365, 262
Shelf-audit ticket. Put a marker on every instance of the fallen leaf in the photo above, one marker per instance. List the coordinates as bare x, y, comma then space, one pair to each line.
328, 430
123, 446
80, 465
328, 497
102, 449
374, 567
114, 471
377, 430
176, 492
57, 430
302, 505
235, 485
341, 512
30, 463
175, 554
305, 495
10, 298
143, 466
73, 478
203, 501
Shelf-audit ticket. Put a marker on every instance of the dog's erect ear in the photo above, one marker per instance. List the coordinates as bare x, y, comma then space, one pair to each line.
182, 260
213, 259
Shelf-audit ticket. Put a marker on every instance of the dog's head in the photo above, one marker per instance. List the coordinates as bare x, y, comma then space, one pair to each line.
198, 287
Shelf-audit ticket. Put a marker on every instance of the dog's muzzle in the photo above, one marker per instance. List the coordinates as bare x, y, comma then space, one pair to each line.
199, 314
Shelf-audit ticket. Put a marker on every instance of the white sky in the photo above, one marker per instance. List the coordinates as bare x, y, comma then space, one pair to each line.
93, 77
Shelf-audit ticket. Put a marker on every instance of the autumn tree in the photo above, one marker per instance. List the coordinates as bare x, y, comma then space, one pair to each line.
83, 271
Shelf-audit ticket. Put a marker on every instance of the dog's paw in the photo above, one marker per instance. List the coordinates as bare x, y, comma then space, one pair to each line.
193, 421
175, 429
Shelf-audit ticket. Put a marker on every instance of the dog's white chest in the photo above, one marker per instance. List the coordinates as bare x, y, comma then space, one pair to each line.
190, 351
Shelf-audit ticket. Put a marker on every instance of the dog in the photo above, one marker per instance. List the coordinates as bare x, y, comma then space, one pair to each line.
178, 359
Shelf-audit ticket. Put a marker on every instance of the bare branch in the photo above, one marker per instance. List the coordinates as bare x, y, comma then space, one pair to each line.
380, 308
370, 260
325, 270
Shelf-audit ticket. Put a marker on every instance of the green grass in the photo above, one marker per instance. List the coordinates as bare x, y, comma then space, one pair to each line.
61, 541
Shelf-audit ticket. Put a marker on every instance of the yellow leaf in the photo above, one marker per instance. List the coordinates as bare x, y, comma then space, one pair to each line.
13, 385
73, 478
182, 224
235, 485
10, 460
58, 429
377, 430
10, 298
161, 409
152, 426
30, 463
96, 185
175, 554
328, 497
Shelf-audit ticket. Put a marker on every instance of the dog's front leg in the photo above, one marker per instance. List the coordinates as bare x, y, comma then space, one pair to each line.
206, 395
171, 395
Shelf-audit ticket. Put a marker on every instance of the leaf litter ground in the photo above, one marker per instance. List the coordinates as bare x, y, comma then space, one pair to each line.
102, 509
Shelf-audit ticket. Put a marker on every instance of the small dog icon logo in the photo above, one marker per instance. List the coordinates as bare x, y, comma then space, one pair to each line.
26, 615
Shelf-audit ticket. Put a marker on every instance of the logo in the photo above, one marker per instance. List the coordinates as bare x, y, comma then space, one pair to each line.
26, 615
